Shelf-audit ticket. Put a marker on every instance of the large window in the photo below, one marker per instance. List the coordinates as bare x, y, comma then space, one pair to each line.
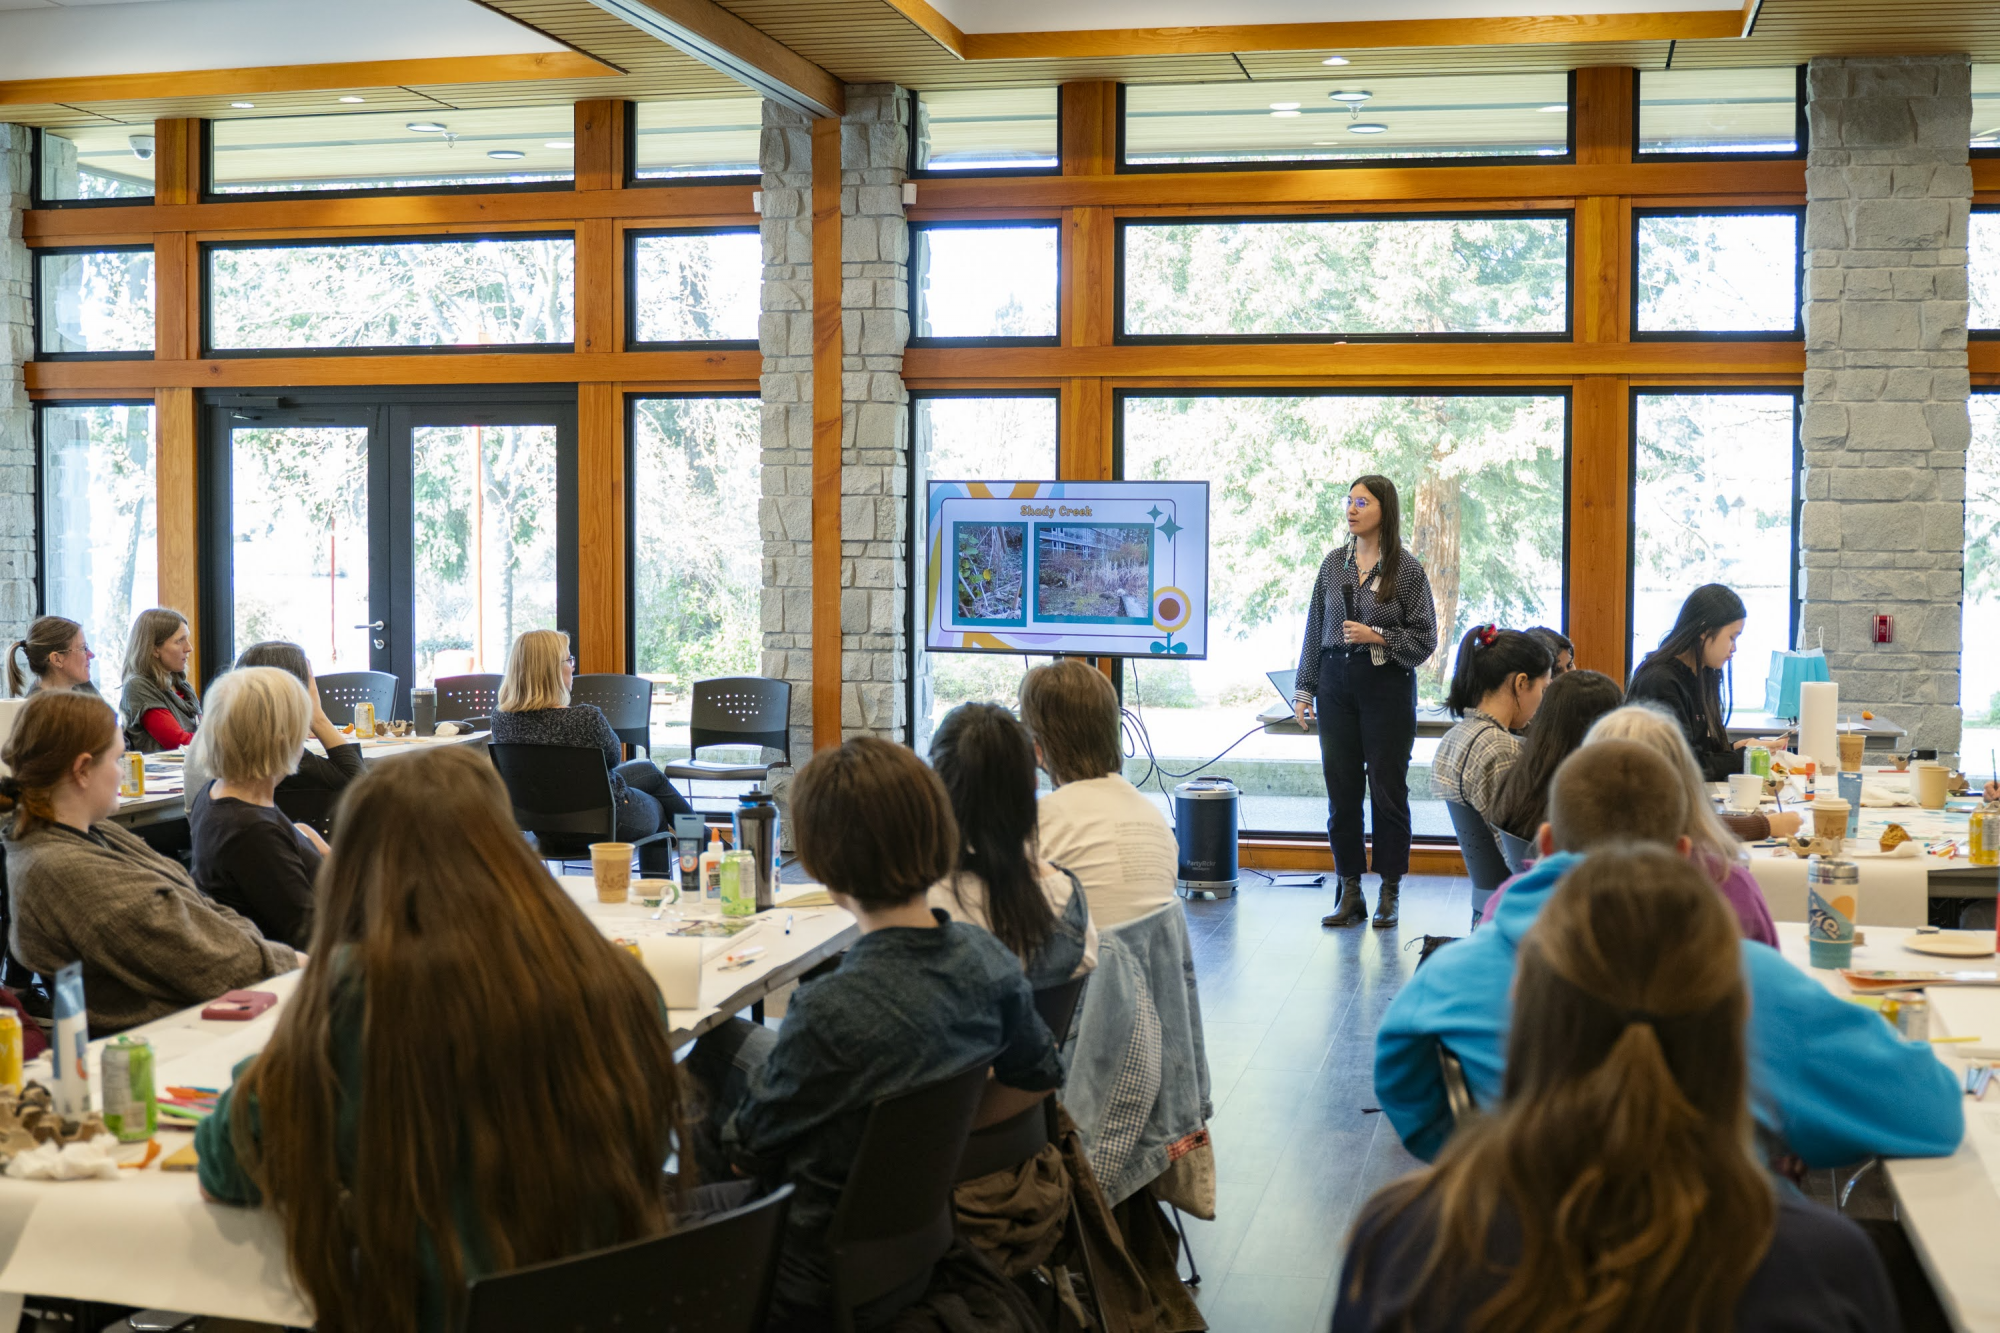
99, 536
1979, 666
694, 286
974, 438
439, 148
1982, 270
1347, 120
711, 136
985, 129
984, 282
1333, 278
94, 302
368, 295
1480, 479
1717, 272
1722, 112
1715, 500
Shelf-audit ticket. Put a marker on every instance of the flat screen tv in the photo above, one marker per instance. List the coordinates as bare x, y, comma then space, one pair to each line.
1091, 568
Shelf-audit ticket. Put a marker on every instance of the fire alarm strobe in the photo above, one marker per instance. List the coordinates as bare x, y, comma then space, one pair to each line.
1885, 629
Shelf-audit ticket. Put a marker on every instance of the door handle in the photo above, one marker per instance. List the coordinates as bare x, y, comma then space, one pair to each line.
373, 624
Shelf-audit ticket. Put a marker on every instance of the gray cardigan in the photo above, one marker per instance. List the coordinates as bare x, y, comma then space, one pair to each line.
150, 942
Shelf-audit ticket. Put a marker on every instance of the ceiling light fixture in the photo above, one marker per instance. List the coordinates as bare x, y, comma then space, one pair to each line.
1351, 96
1334, 60
424, 127
1367, 127
353, 99
1284, 106
564, 144
1280, 115
243, 106
506, 154
1554, 107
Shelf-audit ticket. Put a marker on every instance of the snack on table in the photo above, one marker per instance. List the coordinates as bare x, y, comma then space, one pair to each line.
28, 1120
1802, 847
1893, 837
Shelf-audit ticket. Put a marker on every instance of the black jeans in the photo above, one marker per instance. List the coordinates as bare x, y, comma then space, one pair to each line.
1367, 726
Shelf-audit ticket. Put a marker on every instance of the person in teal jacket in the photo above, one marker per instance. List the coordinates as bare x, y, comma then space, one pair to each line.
1829, 1079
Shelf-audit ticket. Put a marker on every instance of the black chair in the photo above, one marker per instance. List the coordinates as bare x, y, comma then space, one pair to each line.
626, 701
713, 1277
1457, 1092
312, 807
1483, 862
467, 698
736, 710
339, 692
1057, 1006
562, 798
895, 1220
14, 974
1516, 852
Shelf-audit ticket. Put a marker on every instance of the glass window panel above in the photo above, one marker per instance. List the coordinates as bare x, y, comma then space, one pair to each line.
984, 282
696, 286
94, 163
1719, 111
1480, 479
987, 129
1354, 119
1986, 108
503, 291
1714, 500
1982, 255
1346, 277
1717, 273
99, 529
1979, 666
94, 302
711, 136
392, 150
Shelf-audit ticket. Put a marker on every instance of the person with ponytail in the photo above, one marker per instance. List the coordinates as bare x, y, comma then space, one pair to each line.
158, 700
83, 888
1832, 1083
1614, 1186
1685, 676
1496, 687
56, 658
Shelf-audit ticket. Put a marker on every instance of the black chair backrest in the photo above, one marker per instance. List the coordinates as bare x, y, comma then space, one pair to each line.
741, 710
626, 702
561, 794
894, 1219
1006, 1145
311, 807
461, 697
1516, 852
339, 692
1057, 1006
713, 1277
1457, 1092
1483, 861
14, 974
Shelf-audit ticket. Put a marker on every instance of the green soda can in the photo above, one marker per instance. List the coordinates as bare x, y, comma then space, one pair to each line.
739, 884
1757, 759
131, 1106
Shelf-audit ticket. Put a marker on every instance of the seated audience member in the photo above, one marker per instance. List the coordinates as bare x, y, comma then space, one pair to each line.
917, 999
1095, 824
520, 1089
987, 762
247, 855
331, 772
1560, 649
1614, 1187
157, 700
84, 888
57, 658
1572, 703
1496, 686
1831, 1080
535, 710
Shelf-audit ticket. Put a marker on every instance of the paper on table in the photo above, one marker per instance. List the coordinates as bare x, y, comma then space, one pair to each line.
1894, 891
1819, 723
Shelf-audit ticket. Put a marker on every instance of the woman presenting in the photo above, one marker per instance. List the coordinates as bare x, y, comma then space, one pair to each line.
1369, 626
1684, 676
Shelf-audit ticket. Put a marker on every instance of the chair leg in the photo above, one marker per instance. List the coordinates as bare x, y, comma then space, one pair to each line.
1194, 1273
757, 1012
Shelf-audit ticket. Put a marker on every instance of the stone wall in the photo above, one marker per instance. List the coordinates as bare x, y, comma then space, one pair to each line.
1885, 427
17, 456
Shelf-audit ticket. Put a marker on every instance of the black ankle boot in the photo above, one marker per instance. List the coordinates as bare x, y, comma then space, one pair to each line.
1386, 917
1351, 909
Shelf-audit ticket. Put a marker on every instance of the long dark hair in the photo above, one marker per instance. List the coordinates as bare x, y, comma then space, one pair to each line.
1706, 612
1390, 534
987, 761
1620, 1158
1574, 701
280, 653
1489, 657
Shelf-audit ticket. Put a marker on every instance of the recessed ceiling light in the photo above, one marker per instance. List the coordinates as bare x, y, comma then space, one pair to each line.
1367, 127
353, 99
1334, 60
1556, 106
1280, 115
243, 106
1284, 106
507, 154
424, 127
564, 144
1351, 96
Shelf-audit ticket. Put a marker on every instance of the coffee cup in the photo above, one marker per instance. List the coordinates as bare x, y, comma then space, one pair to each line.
1829, 816
611, 867
1851, 743
1932, 781
1746, 791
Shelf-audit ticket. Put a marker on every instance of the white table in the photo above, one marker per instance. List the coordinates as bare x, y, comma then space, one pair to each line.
150, 1240
1950, 1206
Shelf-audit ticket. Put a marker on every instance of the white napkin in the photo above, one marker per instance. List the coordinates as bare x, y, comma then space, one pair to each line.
90, 1160
1881, 794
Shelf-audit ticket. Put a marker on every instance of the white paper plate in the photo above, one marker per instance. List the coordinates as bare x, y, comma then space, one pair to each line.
1953, 943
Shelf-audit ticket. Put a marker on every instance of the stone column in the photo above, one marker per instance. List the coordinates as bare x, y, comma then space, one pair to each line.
17, 449
875, 416
1885, 428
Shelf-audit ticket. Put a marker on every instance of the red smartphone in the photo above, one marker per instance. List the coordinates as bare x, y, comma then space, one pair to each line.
239, 1006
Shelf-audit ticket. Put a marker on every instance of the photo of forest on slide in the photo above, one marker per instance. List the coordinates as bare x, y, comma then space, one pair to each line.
1102, 572
991, 586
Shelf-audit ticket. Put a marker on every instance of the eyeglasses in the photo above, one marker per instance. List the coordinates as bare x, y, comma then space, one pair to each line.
1358, 502
570, 662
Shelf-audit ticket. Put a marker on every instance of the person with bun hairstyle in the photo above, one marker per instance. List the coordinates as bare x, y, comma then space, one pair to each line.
1684, 675
158, 701
1496, 688
56, 656
1613, 1186
83, 888
1370, 624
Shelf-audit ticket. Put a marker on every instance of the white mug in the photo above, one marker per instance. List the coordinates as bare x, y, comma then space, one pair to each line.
1746, 791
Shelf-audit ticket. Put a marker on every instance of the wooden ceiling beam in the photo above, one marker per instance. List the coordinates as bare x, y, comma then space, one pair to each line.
306, 78
717, 38
932, 24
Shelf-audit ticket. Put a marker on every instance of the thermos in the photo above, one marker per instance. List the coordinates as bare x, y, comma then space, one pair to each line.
757, 834
424, 708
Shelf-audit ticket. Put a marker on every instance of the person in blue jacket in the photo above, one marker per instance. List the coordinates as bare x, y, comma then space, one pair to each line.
1829, 1079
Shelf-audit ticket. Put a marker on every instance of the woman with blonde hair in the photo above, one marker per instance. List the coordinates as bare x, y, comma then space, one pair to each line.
159, 703
247, 854
57, 658
535, 709
469, 1078
1614, 1187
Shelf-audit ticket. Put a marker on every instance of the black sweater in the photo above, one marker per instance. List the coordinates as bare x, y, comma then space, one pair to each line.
250, 858
1673, 685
